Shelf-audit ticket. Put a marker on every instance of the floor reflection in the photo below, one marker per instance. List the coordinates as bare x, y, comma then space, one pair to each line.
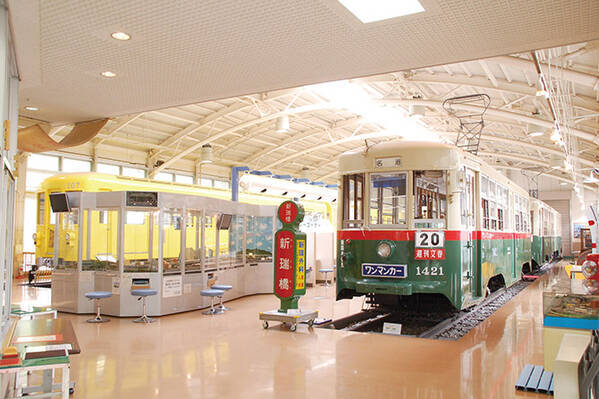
191, 355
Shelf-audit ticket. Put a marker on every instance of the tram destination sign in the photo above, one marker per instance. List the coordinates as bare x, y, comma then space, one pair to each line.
393, 162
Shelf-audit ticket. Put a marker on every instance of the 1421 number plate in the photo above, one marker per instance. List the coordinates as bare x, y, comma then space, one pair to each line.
387, 271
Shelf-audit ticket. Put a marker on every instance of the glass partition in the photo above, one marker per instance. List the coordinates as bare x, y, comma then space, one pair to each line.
171, 248
259, 240
141, 241
235, 241
103, 242
68, 240
193, 242
210, 240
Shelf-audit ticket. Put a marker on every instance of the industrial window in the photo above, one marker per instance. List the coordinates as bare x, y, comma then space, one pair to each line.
206, 182
164, 176
108, 169
75, 165
184, 179
221, 184
388, 198
353, 199
134, 172
43, 162
430, 199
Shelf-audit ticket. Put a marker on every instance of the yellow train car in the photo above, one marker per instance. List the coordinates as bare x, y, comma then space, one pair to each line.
103, 223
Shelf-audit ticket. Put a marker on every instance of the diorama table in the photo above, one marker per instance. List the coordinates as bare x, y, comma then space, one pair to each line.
47, 337
31, 312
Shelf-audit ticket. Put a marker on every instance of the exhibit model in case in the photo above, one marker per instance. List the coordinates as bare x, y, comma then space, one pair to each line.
174, 243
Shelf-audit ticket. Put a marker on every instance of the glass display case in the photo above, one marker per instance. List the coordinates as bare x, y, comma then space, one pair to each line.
174, 243
570, 300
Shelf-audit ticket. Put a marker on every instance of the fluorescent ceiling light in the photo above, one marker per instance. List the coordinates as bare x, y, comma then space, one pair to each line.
120, 36
31, 108
108, 74
378, 10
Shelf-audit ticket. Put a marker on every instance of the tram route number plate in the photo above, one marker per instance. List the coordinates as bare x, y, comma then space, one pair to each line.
386, 271
430, 239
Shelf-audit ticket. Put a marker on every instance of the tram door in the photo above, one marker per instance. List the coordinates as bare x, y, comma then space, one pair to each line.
469, 222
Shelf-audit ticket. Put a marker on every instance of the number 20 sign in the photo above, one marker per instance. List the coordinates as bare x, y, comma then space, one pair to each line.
430, 239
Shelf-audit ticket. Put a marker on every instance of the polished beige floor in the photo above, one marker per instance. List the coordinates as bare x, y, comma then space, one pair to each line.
192, 355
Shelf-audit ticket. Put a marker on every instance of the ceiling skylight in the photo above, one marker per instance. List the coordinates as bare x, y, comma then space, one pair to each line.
378, 10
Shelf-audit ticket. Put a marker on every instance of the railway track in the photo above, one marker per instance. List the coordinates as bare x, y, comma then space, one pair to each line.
430, 322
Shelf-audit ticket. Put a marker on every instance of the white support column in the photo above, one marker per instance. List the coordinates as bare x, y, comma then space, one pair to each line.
21, 174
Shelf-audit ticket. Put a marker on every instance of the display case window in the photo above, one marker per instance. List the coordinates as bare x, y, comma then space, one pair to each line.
210, 241
141, 243
103, 242
193, 241
68, 240
171, 249
259, 239
232, 247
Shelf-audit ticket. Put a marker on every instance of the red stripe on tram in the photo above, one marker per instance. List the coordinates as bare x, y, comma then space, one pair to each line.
408, 235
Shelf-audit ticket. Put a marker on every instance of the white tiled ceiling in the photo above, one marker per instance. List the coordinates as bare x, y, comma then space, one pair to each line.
184, 52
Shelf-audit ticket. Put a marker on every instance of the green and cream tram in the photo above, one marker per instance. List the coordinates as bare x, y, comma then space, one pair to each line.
421, 219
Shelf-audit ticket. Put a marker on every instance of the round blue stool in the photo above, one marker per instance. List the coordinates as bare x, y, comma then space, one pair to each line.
326, 275
212, 293
142, 294
223, 287
96, 296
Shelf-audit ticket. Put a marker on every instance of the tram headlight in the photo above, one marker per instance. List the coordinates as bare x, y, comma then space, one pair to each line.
34, 236
67, 236
589, 268
384, 249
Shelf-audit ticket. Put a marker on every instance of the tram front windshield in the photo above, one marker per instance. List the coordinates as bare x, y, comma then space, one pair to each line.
388, 199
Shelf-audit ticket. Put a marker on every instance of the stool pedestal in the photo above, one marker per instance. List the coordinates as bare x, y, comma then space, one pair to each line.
142, 294
212, 293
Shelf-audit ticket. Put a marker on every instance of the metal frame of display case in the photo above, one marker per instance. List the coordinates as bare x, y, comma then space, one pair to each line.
178, 290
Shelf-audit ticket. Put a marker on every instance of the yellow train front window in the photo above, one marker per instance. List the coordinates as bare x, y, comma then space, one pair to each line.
41, 208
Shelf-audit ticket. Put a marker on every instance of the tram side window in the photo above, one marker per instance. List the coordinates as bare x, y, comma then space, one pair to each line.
353, 200
388, 198
430, 198
485, 214
484, 193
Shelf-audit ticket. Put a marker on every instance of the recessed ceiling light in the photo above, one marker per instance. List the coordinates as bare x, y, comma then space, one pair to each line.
120, 36
378, 10
31, 108
108, 74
